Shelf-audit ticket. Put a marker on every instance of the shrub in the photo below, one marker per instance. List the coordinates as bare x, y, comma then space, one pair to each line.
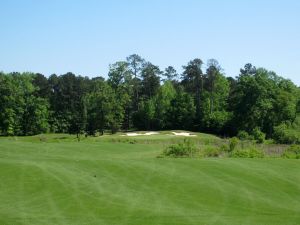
233, 142
239, 154
185, 149
258, 135
224, 148
243, 135
248, 153
293, 152
282, 135
256, 153
212, 152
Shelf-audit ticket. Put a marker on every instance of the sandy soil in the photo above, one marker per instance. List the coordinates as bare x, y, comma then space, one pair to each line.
138, 134
185, 134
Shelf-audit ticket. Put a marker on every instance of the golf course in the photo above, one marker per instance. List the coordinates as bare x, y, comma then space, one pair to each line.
149, 112
56, 179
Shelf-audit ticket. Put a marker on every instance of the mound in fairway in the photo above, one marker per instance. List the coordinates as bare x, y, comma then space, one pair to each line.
90, 182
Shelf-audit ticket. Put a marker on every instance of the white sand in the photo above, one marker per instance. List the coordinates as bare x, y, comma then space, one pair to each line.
184, 134
138, 134
151, 133
132, 134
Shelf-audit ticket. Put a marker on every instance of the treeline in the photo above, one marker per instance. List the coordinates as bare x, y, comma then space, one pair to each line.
138, 95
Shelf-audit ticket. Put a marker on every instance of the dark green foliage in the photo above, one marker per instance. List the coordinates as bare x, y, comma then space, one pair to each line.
258, 135
181, 113
162, 101
170, 73
136, 64
283, 134
257, 105
261, 99
104, 109
35, 118
144, 118
193, 81
42, 86
150, 80
215, 99
293, 152
21, 112
184, 149
243, 135
67, 103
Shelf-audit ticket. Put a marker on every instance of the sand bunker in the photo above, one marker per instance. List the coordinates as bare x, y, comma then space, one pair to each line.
185, 134
151, 133
139, 134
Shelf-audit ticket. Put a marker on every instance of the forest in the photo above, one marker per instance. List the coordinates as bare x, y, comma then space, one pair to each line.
138, 95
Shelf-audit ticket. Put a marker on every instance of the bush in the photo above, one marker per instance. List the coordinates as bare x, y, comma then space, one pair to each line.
243, 135
282, 135
256, 153
293, 152
224, 148
185, 149
233, 142
248, 153
259, 136
239, 154
212, 152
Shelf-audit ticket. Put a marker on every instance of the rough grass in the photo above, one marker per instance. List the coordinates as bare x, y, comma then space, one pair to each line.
60, 181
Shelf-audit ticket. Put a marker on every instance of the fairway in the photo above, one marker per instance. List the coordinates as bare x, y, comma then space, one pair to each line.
110, 183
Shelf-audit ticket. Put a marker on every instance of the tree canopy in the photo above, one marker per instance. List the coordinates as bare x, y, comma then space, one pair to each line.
139, 95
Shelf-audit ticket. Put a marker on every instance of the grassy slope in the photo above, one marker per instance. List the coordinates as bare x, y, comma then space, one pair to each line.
100, 182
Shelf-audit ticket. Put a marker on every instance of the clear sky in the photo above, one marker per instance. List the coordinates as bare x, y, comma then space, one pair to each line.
85, 36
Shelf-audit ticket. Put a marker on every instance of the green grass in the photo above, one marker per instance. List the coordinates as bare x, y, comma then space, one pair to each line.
57, 180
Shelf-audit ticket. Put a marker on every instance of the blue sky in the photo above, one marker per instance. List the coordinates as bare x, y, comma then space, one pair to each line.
85, 36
